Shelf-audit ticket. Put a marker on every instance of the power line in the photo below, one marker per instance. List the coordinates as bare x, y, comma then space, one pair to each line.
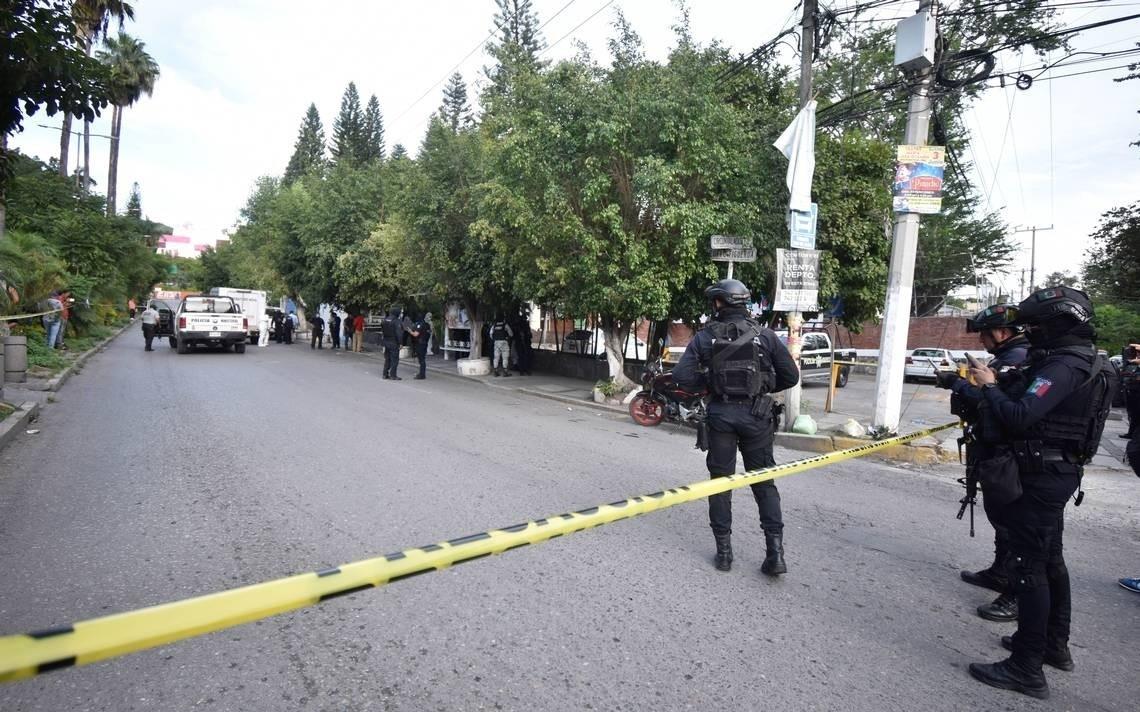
576, 28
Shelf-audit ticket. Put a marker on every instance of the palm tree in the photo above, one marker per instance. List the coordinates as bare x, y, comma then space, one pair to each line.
92, 20
133, 73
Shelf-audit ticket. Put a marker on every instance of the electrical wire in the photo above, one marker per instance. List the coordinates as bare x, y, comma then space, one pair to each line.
576, 28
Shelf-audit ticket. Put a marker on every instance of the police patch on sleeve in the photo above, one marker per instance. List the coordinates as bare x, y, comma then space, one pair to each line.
1039, 387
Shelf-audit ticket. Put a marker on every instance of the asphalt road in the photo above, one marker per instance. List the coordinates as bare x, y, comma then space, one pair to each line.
156, 476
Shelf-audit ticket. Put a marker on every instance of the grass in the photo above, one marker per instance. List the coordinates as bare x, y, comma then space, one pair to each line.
6, 410
45, 361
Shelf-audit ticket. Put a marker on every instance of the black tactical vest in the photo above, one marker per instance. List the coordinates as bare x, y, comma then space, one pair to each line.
740, 370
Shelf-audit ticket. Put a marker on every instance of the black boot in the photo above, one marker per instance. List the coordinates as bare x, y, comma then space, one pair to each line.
990, 578
1003, 609
774, 556
723, 560
1056, 654
1006, 675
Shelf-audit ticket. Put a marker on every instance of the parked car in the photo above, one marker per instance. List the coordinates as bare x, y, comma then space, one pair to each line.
212, 321
927, 362
591, 342
816, 355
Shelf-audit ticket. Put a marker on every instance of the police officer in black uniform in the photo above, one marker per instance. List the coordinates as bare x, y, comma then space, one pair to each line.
1130, 382
1009, 348
422, 334
392, 330
1052, 426
740, 362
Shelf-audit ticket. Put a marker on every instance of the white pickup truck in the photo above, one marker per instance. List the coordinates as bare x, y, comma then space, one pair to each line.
816, 355
213, 321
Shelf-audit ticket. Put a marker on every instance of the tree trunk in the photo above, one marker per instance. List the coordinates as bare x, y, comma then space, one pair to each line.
113, 163
86, 156
64, 144
615, 335
476, 328
3, 185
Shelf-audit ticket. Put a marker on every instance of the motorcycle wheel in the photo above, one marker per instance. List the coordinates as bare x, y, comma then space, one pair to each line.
646, 410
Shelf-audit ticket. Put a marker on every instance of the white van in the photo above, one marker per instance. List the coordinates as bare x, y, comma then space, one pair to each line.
252, 305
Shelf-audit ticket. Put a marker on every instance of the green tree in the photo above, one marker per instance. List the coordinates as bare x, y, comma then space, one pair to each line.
309, 150
610, 181
372, 147
44, 65
348, 128
455, 111
516, 49
1065, 277
398, 151
92, 21
1116, 326
1111, 271
134, 203
133, 73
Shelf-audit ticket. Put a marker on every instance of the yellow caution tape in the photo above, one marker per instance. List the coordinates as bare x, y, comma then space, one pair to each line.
27, 655
16, 317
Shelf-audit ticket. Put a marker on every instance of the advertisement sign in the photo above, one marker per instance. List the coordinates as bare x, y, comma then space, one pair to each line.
918, 179
729, 242
802, 226
797, 280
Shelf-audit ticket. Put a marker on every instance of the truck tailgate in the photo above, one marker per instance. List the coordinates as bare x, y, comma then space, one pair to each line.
219, 323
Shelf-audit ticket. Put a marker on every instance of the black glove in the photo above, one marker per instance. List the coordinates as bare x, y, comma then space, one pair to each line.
946, 379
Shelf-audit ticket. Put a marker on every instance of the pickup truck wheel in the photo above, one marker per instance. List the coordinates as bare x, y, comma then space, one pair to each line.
841, 378
173, 342
239, 348
252, 340
182, 347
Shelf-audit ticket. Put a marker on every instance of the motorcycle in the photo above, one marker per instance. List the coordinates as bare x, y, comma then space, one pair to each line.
662, 399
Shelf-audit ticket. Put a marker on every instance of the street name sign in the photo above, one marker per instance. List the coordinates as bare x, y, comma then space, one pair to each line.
738, 254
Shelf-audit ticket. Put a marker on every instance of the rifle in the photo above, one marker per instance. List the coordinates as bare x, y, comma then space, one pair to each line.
970, 481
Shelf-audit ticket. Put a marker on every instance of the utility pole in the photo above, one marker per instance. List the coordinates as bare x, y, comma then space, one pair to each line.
796, 319
1032, 230
900, 280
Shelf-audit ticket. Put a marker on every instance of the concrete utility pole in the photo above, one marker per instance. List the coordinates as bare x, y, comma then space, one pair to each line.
1032, 252
796, 319
900, 280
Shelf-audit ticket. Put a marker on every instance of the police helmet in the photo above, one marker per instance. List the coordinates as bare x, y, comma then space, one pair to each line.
730, 291
1046, 305
997, 316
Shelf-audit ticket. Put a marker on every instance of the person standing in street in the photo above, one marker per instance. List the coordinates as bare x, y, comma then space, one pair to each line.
392, 330
290, 323
132, 307
263, 330
501, 335
740, 363
65, 300
1009, 349
334, 329
1130, 382
149, 325
52, 319
422, 330
358, 333
318, 326
1045, 431
278, 327
524, 350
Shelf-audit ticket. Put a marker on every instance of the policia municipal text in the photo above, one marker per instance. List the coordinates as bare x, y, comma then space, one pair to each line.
740, 362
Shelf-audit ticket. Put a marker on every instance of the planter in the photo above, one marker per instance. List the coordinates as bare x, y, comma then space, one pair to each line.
15, 359
474, 366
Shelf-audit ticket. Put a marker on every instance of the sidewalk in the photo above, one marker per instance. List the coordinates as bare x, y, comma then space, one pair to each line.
924, 406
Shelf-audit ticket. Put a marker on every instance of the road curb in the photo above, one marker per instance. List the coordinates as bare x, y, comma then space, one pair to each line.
824, 443
56, 383
569, 400
11, 426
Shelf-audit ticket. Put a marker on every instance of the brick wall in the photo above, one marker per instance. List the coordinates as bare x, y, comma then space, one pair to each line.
948, 332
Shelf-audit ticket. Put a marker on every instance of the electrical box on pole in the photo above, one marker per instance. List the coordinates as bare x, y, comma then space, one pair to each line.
914, 42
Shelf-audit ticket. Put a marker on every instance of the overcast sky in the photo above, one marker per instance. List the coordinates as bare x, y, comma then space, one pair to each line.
238, 75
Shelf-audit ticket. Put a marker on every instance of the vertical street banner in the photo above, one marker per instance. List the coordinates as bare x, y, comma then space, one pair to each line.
918, 179
797, 280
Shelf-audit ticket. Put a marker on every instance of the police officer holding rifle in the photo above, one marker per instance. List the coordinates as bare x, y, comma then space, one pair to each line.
1043, 430
1009, 348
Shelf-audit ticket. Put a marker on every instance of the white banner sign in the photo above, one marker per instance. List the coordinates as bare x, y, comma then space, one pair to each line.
797, 280
729, 242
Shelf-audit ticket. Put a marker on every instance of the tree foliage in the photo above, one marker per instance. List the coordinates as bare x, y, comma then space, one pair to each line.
455, 111
372, 149
348, 139
1111, 271
309, 150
